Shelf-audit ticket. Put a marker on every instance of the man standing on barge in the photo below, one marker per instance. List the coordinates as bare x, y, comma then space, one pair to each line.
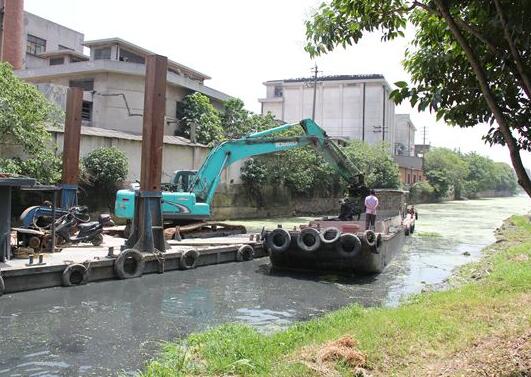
371, 203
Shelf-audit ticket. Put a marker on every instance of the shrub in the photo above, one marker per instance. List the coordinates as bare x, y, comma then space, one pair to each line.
106, 169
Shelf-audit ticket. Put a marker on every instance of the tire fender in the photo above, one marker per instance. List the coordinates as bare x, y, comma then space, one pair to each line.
245, 253
189, 259
75, 274
348, 245
369, 237
128, 255
278, 240
309, 239
330, 235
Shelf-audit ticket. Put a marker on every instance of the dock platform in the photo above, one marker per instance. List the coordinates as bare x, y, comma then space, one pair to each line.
17, 275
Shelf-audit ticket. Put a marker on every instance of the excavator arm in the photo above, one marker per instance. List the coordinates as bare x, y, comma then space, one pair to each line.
207, 178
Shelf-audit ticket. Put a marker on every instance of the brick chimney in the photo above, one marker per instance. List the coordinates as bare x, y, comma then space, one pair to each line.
12, 32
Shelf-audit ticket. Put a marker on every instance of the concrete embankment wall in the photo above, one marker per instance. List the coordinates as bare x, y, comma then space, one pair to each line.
235, 202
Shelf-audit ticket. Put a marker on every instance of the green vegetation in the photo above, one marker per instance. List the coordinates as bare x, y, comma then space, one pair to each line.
105, 170
465, 174
302, 171
469, 62
24, 115
213, 126
488, 300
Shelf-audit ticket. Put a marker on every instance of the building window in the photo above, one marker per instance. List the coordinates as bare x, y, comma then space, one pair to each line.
102, 53
61, 47
57, 61
126, 56
74, 59
414, 178
35, 45
278, 91
86, 111
408, 178
87, 84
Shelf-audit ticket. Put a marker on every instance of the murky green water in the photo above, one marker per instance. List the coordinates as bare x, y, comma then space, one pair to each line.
102, 328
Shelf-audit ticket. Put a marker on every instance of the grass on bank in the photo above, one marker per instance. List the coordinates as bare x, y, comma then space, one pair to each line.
408, 340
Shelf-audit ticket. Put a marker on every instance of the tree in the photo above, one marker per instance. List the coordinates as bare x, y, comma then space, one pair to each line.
470, 61
376, 163
106, 169
24, 115
445, 169
234, 119
196, 110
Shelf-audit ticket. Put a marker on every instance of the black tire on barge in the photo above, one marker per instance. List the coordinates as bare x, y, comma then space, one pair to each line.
2, 286
349, 245
75, 274
245, 253
129, 264
278, 240
189, 259
309, 240
369, 237
330, 235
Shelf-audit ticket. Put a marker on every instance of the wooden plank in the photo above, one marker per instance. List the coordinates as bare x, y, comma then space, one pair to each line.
72, 135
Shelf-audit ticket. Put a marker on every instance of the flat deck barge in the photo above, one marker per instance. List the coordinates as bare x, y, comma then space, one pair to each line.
18, 275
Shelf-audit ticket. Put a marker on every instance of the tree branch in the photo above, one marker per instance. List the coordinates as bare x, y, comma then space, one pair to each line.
503, 124
514, 50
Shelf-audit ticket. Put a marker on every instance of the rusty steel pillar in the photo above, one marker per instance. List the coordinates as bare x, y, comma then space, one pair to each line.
71, 141
12, 33
147, 230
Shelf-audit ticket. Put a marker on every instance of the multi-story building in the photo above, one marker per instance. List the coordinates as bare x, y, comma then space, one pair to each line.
112, 75
349, 107
346, 106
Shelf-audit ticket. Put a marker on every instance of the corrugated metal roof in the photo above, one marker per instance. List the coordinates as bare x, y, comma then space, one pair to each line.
115, 134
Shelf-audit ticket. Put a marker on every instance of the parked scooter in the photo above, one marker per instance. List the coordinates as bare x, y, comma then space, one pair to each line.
88, 231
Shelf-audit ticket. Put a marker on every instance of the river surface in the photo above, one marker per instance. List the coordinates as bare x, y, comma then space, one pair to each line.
102, 329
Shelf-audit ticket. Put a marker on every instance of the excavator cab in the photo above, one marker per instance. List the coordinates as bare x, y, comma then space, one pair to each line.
182, 180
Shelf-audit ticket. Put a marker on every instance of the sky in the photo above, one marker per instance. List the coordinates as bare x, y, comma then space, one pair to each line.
243, 43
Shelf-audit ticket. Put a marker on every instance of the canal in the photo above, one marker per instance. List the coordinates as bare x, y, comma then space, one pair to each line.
102, 329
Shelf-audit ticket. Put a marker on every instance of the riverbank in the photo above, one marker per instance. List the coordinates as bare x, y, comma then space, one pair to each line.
480, 326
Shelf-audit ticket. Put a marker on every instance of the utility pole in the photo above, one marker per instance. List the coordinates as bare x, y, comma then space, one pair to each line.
315, 72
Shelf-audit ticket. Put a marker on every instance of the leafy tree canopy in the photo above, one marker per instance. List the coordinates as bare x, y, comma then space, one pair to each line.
470, 61
196, 110
24, 114
106, 169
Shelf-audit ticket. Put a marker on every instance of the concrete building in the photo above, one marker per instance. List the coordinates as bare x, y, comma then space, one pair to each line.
349, 107
346, 106
404, 135
112, 76
113, 80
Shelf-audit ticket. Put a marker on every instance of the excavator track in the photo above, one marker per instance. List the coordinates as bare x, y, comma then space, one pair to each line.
207, 229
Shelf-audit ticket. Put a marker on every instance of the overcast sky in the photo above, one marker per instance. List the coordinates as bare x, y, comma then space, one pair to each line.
242, 43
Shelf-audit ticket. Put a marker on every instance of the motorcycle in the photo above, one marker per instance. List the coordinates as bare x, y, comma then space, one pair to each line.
88, 231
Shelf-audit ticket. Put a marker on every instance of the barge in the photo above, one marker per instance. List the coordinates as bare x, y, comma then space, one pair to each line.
81, 264
331, 245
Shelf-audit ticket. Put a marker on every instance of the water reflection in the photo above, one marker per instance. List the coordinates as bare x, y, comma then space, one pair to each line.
102, 328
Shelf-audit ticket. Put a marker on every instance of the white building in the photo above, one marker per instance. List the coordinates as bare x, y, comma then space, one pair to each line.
112, 76
346, 106
404, 135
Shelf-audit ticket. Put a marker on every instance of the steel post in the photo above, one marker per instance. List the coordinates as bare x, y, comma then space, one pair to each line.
147, 233
71, 143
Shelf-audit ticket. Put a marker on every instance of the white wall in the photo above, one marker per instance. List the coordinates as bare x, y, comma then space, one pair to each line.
405, 133
338, 109
53, 33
